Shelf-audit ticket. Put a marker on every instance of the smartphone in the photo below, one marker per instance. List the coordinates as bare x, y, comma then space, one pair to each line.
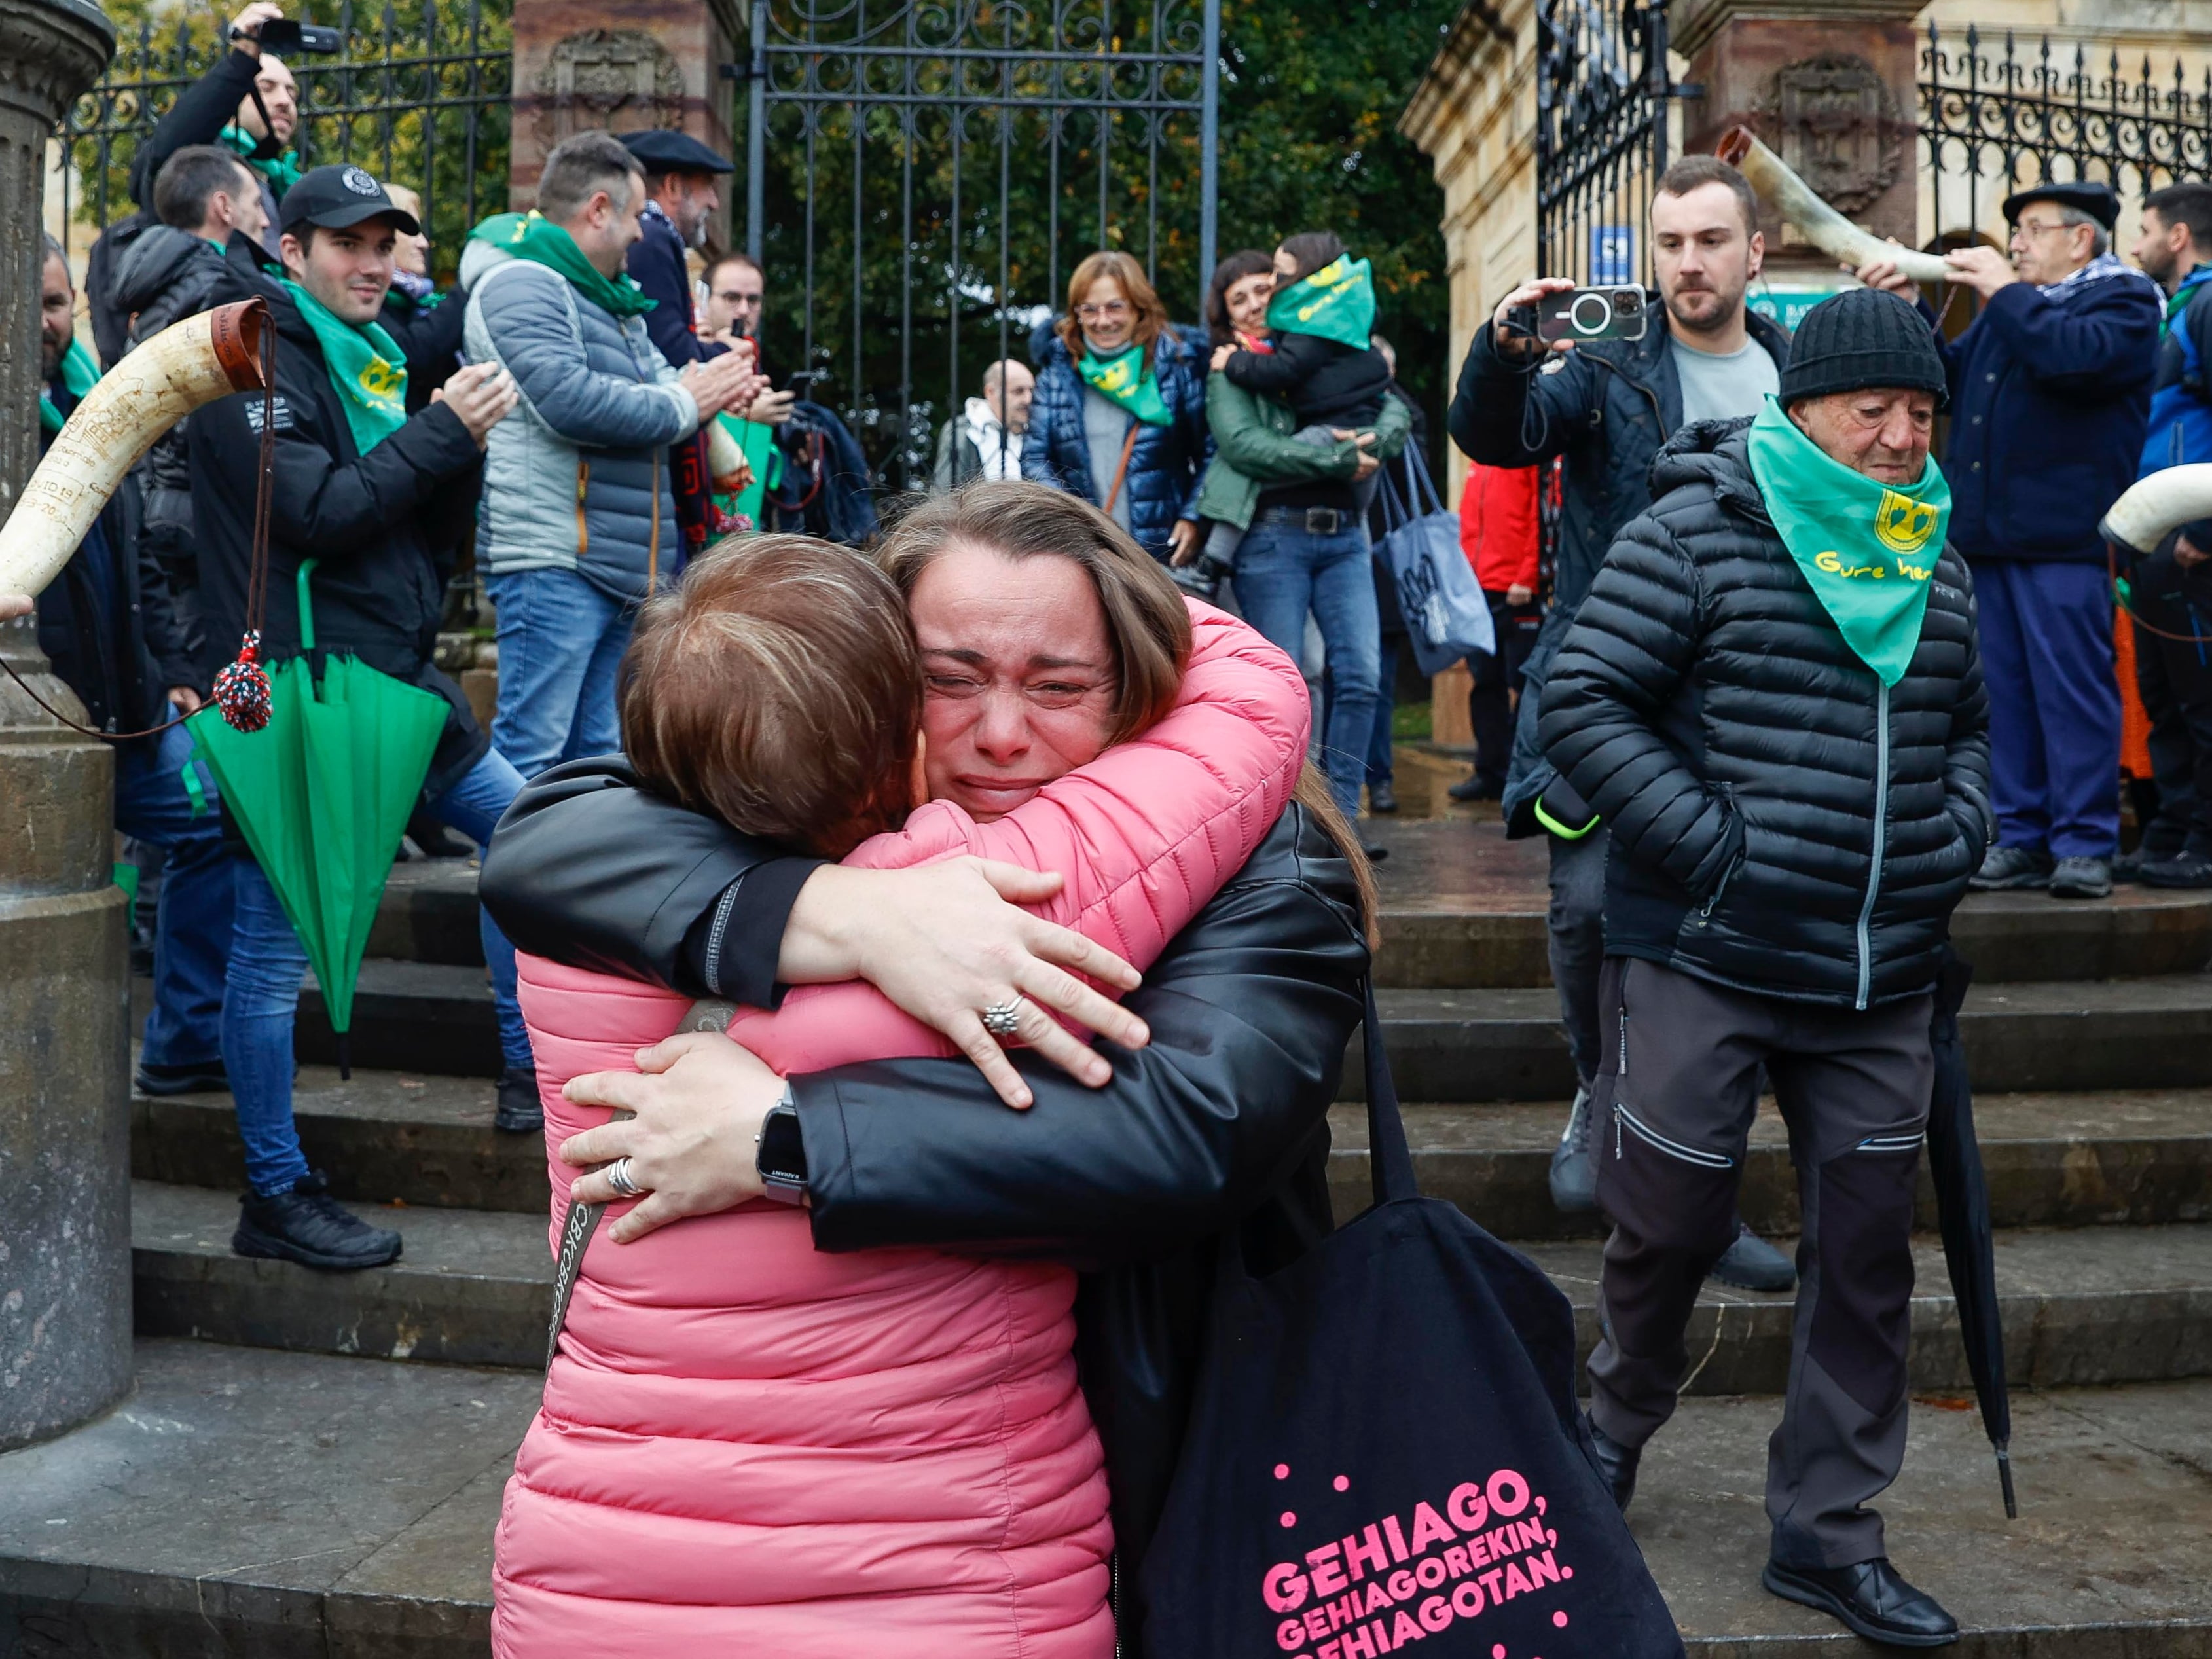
285, 35
803, 382
1592, 314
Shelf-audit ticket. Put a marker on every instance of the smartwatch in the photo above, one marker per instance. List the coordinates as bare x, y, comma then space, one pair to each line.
782, 1158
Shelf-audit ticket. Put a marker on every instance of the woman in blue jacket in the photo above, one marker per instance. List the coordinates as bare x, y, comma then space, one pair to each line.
1120, 414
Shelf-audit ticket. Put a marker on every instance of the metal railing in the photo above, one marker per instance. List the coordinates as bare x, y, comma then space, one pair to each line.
1603, 94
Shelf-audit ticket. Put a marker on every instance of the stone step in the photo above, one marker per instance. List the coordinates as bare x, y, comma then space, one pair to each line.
2134, 1157
2047, 1036
2090, 1305
289, 1505
1464, 907
473, 1287
408, 1017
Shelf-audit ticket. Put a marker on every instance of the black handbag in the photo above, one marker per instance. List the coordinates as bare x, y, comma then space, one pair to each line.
1385, 1448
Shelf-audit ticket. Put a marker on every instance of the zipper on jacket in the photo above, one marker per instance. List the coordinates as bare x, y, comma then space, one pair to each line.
584, 482
1675, 1149
1880, 841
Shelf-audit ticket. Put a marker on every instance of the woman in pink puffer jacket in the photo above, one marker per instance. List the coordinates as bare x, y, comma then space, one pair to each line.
747, 1446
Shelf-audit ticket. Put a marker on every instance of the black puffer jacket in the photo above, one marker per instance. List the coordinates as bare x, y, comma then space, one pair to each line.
1780, 822
1223, 1117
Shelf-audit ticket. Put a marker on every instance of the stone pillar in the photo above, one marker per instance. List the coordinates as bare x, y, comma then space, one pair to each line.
621, 64
64, 988
1831, 86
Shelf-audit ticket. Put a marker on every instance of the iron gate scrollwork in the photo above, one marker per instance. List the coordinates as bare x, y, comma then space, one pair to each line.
923, 175
1602, 90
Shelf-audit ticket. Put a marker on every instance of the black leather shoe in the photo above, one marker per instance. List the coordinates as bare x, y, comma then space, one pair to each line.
521, 1112
1382, 798
1871, 1597
308, 1225
1617, 1463
206, 1077
2182, 870
1753, 1264
1477, 787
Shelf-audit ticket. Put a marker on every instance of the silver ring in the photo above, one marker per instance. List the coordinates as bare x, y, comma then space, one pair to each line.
1003, 1020
619, 1177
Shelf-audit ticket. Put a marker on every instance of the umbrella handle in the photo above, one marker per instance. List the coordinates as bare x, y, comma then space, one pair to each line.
306, 610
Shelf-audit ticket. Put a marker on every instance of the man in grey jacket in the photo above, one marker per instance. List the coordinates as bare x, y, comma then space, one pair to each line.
578, 524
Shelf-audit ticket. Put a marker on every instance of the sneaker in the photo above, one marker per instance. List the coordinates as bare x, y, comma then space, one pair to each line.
203, 1076
1753, 1264
1574, 1171
1478, 787
2182, 870
2012, 866
308, 1225
1870, 1597
1382, 798
2081, 878
521, 1112
2129, 867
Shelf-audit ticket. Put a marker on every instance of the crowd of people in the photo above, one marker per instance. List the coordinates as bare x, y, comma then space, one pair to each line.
952, 789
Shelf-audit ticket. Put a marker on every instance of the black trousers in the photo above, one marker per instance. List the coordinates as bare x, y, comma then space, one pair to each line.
1678, 1086
1497, 681
2174, 675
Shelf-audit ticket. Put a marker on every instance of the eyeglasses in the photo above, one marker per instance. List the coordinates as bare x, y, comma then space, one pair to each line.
1112, 308
2040, 227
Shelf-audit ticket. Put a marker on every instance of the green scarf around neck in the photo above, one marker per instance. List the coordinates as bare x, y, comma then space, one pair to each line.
280, 170
366, 367
1337, 303
1868, 548
534, 237
1129, 379
79, 373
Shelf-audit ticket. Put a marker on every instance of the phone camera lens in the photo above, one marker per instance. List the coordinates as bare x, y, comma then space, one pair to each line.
1590, 313
1627, 302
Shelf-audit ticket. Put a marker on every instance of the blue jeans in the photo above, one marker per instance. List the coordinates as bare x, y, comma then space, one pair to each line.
560, 641
191, 927
2046, 641
268, 963
1285, 570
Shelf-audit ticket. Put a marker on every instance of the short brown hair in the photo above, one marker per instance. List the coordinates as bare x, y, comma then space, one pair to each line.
1696, 172
582, 164
778, 688
1143, 299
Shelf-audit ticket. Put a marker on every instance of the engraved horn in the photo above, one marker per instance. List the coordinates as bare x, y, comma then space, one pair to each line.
1781, 189
2154, 508
184, 366
725, 460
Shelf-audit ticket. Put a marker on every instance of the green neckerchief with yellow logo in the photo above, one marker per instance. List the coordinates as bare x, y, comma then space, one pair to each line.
1336, 302
366, 367
1866, 548
1129, 379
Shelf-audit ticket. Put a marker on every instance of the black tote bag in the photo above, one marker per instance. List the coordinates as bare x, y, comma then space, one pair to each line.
1385, 1453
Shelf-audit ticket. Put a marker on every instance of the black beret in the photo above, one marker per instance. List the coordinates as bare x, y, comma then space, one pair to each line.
660, 151
2092, 196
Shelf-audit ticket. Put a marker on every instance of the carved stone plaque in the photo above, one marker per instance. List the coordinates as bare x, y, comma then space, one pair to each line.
1839, 129
597, 75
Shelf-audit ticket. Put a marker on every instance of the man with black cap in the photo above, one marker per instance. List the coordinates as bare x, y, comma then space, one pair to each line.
368, 508
1771, 693
2051, 393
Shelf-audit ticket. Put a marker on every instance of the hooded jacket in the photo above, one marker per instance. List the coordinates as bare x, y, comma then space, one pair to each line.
577, 477
1168, 464
1781, 822
386, 527
1604, 412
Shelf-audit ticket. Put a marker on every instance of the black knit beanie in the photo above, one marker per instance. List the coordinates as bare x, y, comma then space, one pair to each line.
1859, 338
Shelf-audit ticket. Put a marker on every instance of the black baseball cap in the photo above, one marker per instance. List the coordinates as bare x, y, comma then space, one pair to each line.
2090, 196
659, 151
339, 195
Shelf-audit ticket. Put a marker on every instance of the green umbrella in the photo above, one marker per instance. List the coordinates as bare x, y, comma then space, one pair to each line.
322, 795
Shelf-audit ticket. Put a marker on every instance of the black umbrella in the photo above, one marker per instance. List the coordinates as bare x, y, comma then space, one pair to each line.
1962, 1212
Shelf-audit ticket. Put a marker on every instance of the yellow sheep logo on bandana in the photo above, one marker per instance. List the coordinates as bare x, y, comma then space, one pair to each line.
1903, 524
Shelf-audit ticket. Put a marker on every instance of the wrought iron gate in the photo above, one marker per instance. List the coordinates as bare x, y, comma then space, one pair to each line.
1602, 92
923, 175
419, 98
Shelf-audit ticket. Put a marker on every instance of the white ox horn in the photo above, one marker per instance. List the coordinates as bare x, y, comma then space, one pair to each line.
1827, 230
184, 366
725, 460
2152, 508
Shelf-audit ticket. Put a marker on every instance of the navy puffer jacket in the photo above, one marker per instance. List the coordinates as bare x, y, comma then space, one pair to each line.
1165, 468
1782, 823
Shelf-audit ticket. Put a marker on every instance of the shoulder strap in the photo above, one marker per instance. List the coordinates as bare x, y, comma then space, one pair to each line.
1129, 448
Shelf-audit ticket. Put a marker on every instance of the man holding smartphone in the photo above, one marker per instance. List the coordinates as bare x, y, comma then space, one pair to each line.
1604, 410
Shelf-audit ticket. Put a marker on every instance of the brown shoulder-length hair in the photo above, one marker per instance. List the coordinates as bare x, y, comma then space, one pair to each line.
1147, 624
778, 689
1143, 299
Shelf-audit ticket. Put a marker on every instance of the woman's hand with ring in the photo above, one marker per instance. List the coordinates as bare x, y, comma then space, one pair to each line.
694, 1143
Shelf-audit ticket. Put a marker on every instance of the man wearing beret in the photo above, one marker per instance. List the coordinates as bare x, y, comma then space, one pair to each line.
2051, 394
1771, 693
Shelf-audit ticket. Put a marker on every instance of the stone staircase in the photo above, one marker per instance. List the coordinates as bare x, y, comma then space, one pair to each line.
276, 1486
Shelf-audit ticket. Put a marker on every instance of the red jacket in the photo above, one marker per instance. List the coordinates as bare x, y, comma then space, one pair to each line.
1498, 525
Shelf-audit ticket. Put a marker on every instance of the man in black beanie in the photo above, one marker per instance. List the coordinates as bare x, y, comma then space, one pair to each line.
1773, 695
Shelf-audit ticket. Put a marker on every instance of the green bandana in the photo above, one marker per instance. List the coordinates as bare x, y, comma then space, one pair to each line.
1336, 302
79, 373
1116, 377
280, 170
366, 367
1866, 548
534, 237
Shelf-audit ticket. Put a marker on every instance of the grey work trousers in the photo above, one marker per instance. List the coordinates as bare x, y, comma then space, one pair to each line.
1575, 941
1675, 1094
